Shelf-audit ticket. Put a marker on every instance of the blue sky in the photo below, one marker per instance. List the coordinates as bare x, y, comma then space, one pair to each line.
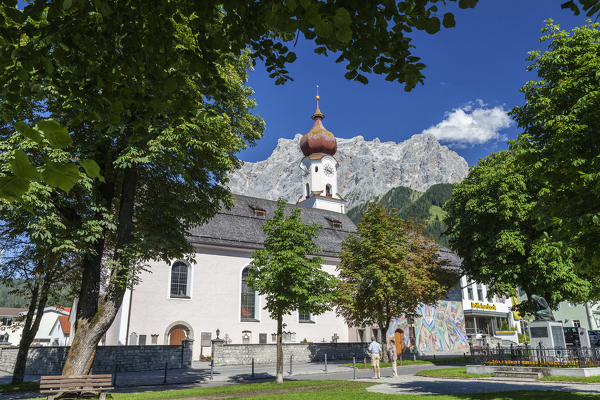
473, 76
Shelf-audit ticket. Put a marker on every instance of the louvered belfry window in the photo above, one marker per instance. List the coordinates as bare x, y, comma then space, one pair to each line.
179, 280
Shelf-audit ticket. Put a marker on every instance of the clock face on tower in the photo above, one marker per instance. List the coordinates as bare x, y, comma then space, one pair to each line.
328, 169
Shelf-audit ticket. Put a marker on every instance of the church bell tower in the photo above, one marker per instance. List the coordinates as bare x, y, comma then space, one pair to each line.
320, 167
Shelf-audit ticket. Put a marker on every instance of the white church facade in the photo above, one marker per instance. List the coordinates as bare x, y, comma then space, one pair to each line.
192, 300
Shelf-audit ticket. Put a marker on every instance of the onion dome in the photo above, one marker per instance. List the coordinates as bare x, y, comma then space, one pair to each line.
318, 139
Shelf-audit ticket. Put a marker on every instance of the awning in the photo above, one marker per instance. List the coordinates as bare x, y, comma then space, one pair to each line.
485, 313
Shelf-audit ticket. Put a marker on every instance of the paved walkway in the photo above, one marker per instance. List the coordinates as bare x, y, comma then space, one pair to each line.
418, 385
405, 383
200, 377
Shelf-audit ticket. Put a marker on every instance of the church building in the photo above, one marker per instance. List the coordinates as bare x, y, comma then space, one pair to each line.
181, 300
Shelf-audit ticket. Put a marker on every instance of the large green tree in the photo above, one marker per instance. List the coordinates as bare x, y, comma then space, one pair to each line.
150, 100
387, 269
493, 225
154, 98
560, 142
38, 247
288, 272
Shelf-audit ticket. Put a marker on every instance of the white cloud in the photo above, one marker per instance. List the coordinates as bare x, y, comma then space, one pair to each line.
472, 123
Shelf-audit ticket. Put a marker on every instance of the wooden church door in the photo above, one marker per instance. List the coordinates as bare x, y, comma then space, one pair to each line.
176, 337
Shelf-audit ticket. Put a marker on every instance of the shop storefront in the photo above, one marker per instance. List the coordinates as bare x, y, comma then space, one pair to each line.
486, 313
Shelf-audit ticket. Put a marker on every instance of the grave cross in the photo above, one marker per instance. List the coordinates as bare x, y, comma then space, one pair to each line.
335, 338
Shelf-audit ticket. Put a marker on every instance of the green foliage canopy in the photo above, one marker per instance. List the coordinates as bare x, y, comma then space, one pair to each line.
387, 269
286, 271
492, 224
560, 143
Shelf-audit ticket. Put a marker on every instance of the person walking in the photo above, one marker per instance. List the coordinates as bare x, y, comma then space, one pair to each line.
375, 352
393, 356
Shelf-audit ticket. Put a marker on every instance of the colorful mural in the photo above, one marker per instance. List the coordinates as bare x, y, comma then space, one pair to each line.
441, 328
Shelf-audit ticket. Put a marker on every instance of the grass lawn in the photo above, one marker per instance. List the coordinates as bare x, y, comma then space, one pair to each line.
333, 390
445, 360
588, 379
23, 387
456, 372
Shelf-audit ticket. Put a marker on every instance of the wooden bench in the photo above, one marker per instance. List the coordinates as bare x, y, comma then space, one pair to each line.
76, 384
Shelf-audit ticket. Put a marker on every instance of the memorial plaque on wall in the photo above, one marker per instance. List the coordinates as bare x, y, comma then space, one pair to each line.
559, 336
205, 339
538, 331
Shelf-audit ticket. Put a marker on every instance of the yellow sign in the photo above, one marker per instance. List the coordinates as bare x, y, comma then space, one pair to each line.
516, 315
483, 306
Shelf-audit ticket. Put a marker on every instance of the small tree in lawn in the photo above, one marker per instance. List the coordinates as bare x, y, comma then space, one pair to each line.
288, 274
387, 270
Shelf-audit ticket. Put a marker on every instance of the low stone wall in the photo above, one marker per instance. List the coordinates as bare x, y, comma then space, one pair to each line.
49, 360
242, 354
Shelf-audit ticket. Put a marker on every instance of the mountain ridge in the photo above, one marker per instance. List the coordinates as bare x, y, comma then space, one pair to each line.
367, 168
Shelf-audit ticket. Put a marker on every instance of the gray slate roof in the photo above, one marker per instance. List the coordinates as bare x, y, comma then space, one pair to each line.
240, 226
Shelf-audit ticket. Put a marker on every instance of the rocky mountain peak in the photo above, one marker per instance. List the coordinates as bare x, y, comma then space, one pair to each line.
367, 168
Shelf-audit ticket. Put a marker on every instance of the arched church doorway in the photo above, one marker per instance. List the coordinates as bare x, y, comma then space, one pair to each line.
177, 332
176, 336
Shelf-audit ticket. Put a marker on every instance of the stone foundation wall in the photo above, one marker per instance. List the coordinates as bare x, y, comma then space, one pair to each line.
49, 360
242, 354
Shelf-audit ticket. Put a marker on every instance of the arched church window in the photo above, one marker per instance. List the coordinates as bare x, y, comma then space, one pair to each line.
248, 301
307, 191
316, 169
328, 190
180, 280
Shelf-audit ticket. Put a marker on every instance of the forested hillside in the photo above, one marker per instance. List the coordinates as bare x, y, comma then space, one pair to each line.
413, 204
8, 299
60, 297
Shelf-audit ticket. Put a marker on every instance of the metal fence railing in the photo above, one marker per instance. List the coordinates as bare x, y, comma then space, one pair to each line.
539, 356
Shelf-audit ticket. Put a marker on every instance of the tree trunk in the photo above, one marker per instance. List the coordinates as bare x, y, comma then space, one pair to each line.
36, 307
384, 326
94, 316
279, 349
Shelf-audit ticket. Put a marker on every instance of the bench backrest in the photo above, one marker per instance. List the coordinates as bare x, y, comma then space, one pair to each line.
54, 383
